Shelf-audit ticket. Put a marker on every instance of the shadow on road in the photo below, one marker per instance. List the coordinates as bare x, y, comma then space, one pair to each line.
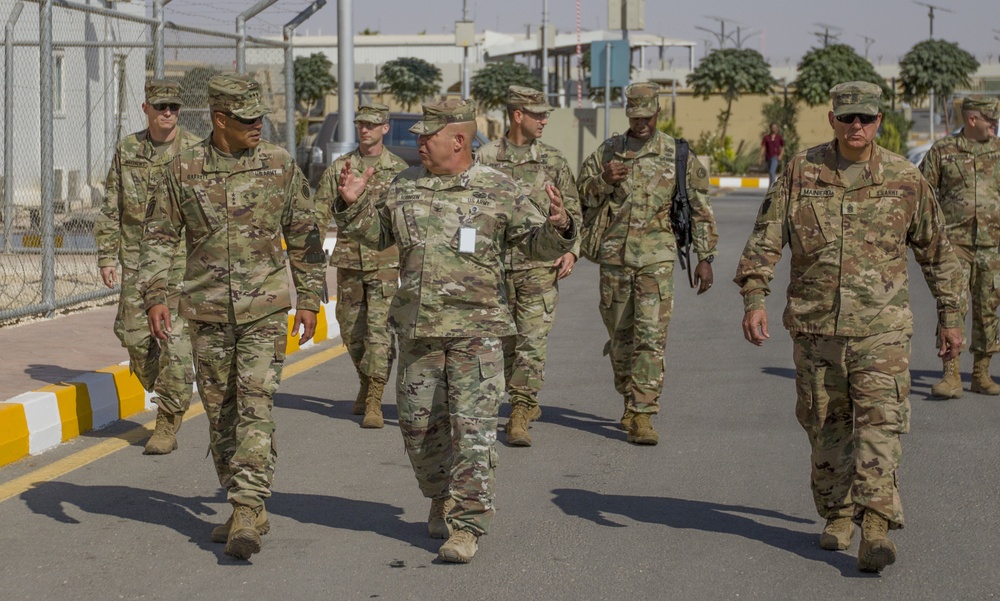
136, 504
52, 374
351, 514
576, 420
182, 513
708, 517
781, 372
337, 409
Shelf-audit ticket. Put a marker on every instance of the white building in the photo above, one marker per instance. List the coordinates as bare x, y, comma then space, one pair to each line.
97, 93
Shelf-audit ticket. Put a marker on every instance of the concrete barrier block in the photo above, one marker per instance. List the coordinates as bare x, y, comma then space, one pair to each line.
41, 411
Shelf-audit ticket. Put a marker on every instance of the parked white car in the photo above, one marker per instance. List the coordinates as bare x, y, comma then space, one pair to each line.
916, 155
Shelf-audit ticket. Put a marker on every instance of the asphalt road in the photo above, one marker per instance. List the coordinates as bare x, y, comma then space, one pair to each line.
721, 509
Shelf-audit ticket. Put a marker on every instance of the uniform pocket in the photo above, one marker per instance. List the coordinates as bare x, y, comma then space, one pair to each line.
280, 345
490, 364
808, 229
389, 288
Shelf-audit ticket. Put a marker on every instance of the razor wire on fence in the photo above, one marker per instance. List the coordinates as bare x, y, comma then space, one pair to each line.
100, 59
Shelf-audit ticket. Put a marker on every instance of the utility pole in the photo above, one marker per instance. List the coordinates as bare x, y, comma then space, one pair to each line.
827, 34
545, 49
930, 13
465, 54
868, 44
720, 36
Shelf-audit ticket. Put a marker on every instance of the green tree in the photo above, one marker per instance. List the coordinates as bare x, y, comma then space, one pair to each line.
409, 80
938, 66
894, 132
822, 68
313, 81
731, 72
489, 85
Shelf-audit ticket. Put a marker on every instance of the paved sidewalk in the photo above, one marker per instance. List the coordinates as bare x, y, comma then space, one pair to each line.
61, 377
39, 353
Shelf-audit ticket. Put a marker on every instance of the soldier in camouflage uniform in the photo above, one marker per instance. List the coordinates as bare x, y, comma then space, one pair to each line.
964, 170
165, 367
632, 177
453, 219
232, 198
532, 291
849, 209
366, 277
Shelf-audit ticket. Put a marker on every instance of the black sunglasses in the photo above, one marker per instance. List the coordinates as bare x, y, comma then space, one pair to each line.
173, 106
241, 119
864, 119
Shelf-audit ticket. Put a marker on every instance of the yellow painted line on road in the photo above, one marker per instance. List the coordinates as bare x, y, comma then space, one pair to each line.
119, 442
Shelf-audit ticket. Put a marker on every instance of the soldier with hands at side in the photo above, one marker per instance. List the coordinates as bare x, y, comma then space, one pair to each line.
366, 277
849, 209
452, 219
532, 289
632, 176
230, 200
163, 366
964, 170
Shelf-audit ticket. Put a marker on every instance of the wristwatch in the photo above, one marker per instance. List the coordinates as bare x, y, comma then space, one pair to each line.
709, 259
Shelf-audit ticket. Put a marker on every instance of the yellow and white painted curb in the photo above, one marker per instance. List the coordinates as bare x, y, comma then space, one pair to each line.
37, 421
739, 182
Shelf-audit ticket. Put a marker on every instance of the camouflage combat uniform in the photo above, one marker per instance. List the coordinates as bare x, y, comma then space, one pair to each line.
637, 254
532, 289
966, 177
848, 312
449, 314
366, 278
136, 171
233, 212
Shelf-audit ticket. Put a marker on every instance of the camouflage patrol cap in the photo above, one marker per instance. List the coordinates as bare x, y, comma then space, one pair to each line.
855, 97
989, 106
642, 100
163, 90
373, 113
439, 114
527, 99
236, 94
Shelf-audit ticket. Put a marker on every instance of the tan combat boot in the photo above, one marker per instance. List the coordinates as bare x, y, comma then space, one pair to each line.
982, 383
373, 404
244, 539
359, 403
517, 427
437, 520
950, 386
164, 438
640, 431
626, 420
876, 550
461, 547
220, 533
837, 534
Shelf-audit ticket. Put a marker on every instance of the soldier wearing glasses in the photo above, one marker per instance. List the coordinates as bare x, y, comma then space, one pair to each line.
532, 291
136, 169
231, 199
849, 209
963, 169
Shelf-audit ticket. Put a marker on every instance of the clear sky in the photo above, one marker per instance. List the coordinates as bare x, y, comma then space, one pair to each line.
784, 29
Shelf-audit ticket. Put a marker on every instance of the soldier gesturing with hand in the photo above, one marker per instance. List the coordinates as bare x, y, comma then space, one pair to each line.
452, 218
